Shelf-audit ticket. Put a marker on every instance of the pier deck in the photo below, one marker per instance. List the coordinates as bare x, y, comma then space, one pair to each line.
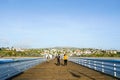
51, 71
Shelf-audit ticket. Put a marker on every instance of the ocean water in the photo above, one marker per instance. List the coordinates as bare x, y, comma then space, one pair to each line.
2, 61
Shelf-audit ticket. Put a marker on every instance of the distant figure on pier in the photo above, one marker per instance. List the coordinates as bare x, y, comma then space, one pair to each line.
58, 59
65, 58
48, 58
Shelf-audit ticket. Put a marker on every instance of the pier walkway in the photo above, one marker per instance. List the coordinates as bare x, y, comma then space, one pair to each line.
51, 71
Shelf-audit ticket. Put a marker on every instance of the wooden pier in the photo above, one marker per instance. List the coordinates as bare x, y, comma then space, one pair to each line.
51, 71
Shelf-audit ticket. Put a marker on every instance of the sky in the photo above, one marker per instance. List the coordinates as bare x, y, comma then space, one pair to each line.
60, 23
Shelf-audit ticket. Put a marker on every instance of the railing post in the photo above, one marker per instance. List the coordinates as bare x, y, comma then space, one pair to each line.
82, 62
95, 65
89, 64
85, 62
102, 66
79, 61
115, 70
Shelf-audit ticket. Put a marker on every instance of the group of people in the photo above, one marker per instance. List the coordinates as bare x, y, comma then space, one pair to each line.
65, 58
58, 57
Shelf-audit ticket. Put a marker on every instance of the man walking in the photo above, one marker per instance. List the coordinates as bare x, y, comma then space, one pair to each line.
58, 59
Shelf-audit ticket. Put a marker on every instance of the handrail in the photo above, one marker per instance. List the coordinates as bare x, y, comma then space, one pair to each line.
107, 66
10, 69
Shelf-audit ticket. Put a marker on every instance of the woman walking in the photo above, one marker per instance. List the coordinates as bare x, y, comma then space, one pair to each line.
65, 59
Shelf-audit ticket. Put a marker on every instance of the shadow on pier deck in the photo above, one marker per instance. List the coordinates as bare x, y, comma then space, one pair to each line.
51, 71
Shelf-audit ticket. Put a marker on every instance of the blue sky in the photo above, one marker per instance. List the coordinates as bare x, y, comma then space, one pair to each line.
51, 23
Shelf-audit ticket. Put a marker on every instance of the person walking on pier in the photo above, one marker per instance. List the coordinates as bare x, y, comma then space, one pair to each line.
65, 58
58, 59
48, 58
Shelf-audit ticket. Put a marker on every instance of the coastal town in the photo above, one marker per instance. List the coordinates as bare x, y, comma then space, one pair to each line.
71, 51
